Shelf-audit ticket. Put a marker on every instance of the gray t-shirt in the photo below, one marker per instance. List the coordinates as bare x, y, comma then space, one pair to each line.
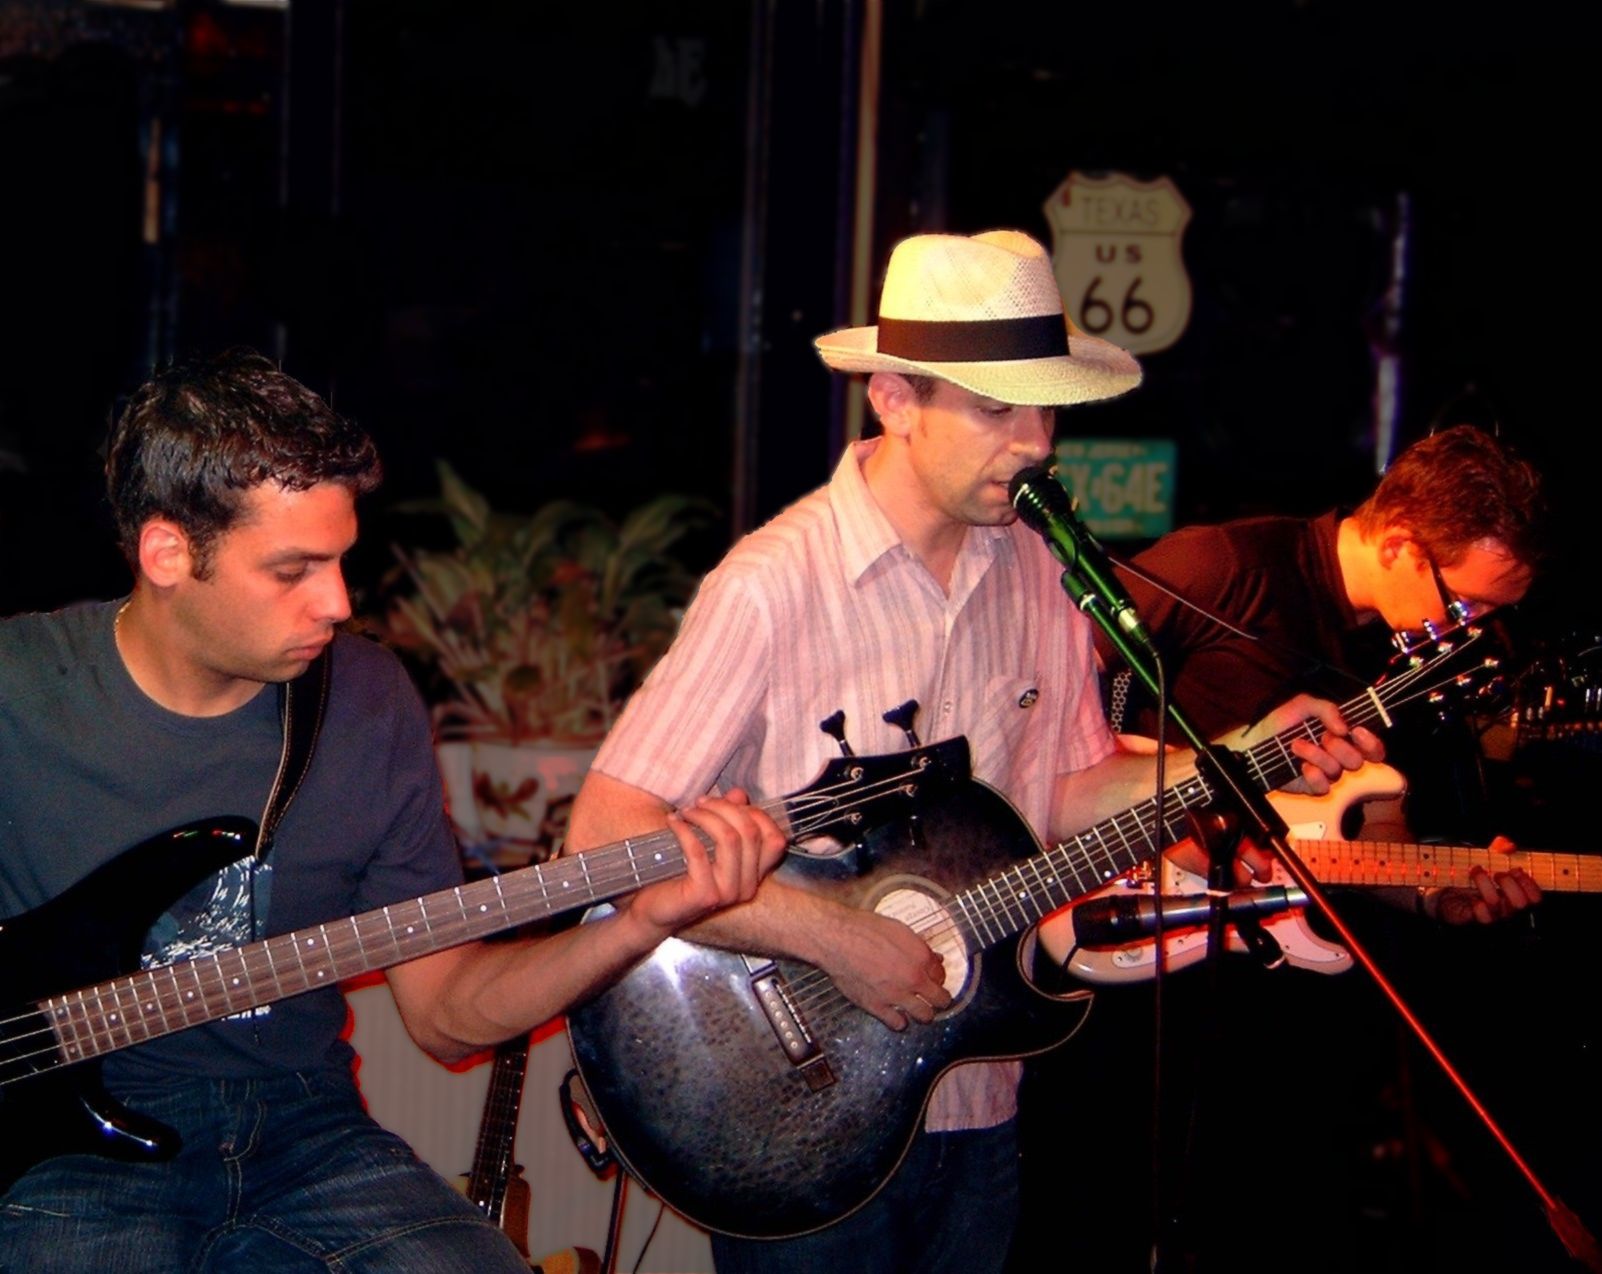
92, 766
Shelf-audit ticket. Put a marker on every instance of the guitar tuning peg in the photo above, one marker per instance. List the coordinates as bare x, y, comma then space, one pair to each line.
902, 718
833, 725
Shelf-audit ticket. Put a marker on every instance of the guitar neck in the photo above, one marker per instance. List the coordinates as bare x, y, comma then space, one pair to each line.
849, 795
1337, 862
497, 1131
154, 1002
1024, 895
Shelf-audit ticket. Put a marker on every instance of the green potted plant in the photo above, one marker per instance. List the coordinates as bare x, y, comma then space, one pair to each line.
535, 629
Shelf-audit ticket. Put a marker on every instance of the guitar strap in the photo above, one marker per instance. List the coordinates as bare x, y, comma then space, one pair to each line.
300, 709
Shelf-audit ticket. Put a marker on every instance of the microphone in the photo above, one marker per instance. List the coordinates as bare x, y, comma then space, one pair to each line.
1107, 922
1044, 506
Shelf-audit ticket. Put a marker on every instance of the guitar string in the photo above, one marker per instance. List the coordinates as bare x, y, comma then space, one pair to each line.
813, 810
814, 994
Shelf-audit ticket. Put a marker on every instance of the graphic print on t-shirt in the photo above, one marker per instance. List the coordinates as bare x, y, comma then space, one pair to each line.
216, 915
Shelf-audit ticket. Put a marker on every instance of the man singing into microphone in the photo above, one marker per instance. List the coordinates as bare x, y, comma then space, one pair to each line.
908, 577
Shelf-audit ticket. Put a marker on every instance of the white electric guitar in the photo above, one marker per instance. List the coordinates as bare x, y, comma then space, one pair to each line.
1332, 862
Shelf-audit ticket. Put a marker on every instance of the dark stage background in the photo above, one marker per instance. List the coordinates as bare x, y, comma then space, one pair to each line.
581, 251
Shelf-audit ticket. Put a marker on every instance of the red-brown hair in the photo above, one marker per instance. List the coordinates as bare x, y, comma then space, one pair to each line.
1455, 488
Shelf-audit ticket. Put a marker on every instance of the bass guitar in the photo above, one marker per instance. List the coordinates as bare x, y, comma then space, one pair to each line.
1371, 864
71, 990
754, 1099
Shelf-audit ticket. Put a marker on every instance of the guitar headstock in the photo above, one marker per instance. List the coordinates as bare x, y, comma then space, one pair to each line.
854, 794
1437, 670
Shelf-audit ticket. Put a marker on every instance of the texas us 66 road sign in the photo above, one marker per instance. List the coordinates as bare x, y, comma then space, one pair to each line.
1116, 251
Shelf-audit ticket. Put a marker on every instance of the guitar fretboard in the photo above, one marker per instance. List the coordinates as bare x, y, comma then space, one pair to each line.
141, 1006
497, 1131
1338, 862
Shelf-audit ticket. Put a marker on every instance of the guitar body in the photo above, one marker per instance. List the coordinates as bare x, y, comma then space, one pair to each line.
92, 931
705, 1107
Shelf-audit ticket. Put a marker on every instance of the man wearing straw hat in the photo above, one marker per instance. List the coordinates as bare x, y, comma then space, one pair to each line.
907, 577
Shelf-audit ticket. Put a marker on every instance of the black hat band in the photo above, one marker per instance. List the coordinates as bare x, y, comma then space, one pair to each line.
977, 341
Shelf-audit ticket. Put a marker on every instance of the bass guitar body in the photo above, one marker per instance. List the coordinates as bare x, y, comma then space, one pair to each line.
752, 1097
93, 930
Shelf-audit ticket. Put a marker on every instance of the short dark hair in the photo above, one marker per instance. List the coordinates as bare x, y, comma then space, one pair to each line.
200, 434
923, 387
1455, 488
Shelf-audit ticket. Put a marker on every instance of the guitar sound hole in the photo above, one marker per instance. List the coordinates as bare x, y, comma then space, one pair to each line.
926, 916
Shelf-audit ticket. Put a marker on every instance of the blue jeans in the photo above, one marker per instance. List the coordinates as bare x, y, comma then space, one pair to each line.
951, 1208
284, 1174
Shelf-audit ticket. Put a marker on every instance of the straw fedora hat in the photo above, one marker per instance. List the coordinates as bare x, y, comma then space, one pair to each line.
984, 313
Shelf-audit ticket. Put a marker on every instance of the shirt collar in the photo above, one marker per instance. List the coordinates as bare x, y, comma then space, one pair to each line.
866, 535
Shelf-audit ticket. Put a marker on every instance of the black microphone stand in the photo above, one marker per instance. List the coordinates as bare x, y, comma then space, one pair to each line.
1219, 833
1220, 769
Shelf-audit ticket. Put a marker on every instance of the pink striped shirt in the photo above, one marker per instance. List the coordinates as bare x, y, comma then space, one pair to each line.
823, 609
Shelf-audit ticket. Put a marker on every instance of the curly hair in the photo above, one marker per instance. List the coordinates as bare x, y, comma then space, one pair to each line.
1455, 488
199, 435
